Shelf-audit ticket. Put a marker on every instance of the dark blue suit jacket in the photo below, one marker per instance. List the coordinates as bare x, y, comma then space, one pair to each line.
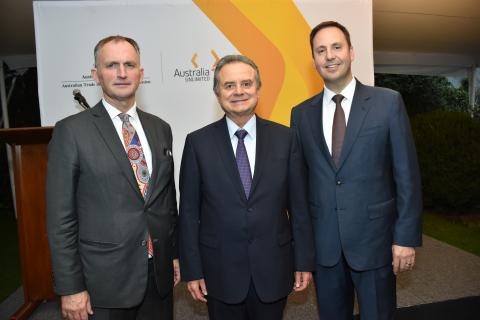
373, 199
229, 240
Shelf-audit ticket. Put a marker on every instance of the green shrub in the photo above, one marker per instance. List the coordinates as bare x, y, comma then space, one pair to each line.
448, 147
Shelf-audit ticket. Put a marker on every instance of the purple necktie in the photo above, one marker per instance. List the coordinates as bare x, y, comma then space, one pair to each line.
338, 130
242, 162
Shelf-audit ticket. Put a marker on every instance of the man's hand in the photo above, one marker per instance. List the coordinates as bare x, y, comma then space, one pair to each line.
76, 306
198, 289
403, 258
302, 279
176, 272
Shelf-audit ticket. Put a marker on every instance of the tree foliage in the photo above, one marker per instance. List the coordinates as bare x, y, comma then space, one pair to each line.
426, 93
449, 156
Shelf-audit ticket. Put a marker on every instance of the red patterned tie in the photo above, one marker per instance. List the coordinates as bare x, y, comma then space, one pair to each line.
137, 160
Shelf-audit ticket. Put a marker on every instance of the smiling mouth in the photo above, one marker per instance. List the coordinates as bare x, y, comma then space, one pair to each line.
332, 66
237, 101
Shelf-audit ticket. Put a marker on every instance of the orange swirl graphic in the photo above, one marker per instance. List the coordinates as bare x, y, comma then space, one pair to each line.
275, 35
252, 43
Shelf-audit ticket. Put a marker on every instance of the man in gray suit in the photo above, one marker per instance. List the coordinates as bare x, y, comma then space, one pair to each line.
111, 202
364, 186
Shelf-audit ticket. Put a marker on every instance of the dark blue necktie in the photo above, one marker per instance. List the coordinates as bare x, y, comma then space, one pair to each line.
242, 162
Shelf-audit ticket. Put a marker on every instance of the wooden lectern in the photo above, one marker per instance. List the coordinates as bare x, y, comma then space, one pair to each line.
29, 149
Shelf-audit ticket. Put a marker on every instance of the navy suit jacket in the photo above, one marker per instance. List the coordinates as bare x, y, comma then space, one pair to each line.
373, 199
98, 221
228, 239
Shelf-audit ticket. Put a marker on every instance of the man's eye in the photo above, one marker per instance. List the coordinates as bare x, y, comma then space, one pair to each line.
130, 65
246, 84
112, 65
228, 86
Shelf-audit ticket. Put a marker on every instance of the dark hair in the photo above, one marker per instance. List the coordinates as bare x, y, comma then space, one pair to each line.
116, 38
329, 24
232, 59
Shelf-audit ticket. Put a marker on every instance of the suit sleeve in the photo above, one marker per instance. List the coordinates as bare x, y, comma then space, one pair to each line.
62, 221
299, 210
190, 206
408, 229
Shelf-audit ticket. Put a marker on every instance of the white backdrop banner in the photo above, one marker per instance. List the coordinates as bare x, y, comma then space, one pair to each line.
180, 42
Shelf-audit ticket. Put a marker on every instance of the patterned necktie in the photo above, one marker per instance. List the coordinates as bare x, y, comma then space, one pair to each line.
242, 162
338, 129
137, 160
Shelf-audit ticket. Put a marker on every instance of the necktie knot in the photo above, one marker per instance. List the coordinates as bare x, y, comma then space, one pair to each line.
124, 117
338, 98
241, 134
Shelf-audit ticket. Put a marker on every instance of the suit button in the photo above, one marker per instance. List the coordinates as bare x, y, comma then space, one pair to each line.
339, 182
251, 241
144, 243
250, 209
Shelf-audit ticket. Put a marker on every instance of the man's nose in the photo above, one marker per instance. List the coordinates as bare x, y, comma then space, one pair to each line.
238, 89
122, 71
329, 54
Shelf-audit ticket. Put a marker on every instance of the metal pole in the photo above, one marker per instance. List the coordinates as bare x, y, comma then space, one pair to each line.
471, 88
6, 124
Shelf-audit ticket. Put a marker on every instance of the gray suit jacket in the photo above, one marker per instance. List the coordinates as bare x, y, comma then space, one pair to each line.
373, 199
98, 221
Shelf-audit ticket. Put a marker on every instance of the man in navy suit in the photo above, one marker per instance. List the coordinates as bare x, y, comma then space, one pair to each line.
245, 232
363, 183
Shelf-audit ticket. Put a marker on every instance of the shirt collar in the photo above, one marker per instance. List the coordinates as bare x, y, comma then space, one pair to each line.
250, 126
347, 92
114, 112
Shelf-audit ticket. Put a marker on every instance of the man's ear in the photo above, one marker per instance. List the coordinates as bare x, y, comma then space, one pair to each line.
94, 74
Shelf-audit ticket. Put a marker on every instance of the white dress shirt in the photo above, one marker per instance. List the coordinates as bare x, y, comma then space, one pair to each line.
135, 121
329, 109
249, 140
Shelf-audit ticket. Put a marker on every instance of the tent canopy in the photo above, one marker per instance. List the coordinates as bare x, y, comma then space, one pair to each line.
439, 37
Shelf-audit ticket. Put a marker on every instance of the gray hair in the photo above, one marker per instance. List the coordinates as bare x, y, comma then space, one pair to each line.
116, 38
233, 58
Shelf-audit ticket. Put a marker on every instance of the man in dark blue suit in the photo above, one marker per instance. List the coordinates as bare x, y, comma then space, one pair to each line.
245, 241
363, 183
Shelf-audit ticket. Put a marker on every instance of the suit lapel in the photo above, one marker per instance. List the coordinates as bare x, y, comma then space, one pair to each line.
149, 129
261, 151
315, 118
224, 146
110, 137
357, 115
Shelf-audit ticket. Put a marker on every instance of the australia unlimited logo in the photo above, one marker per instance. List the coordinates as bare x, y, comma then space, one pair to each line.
197, 73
